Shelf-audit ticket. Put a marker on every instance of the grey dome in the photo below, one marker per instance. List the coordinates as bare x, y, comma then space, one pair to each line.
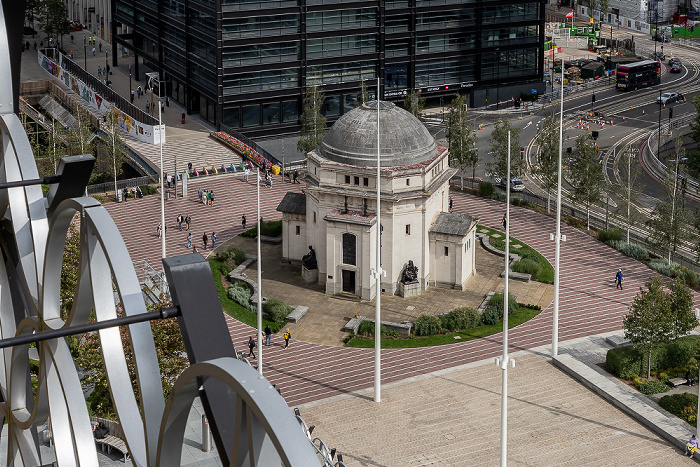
352, 139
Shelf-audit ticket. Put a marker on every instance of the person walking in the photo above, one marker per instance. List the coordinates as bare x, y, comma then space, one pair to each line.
188, 220
93, 51
139, 91
189, 240
179, 221
159, 230
99, 71
251, 346
268, 335
211, 198
169, 179
205, 239
246, 174
618, 279
132, 96
100, 47
213, 240
243, 220
450, 203
287, 335
148, 107
296, 175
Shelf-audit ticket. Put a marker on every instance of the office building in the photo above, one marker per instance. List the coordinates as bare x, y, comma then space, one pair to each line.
243, 64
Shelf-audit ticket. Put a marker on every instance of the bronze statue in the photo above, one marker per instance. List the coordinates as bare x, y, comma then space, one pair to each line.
309, 259
410, 273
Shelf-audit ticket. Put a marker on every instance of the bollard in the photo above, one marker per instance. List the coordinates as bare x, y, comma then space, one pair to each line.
206, 435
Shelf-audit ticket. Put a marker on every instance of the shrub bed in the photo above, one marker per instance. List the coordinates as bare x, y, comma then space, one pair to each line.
268, 229
683, 406
629, 361
485, 189
427, 325
674, 270
632, 250
612, 234
527, 266
240, 293
230, 259
275, 310
653, 387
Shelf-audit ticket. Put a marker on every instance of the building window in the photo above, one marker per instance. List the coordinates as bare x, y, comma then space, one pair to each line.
365, 181
271, 113
408, 229
314, 217
349, 248
447, 251
408, 181
298, 230
347, 179
290, 111
357, 180
251, 115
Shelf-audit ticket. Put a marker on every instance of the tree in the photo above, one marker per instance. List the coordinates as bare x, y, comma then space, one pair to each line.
656, 316
83, 134
414, 104
586, 175
498, 143
626, 188
313, 124
649, 321
548, 155
116, 148
54, 18
49, 149
363, 95
461, 138
670, 219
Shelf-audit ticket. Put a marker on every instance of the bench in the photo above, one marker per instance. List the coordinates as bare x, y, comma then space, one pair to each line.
115, 438
674, 382
296, 314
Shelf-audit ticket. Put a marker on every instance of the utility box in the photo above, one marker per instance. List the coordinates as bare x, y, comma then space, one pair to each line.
592, 70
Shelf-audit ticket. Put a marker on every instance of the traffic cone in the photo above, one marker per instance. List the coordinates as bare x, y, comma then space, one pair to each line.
664, 105
611, 122
643, 112
588, 127
623, 119
602, 126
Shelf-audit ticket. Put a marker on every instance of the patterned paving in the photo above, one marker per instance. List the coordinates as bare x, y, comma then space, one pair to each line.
590, 303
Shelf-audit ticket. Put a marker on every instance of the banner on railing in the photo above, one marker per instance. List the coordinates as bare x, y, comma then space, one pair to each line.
141, 131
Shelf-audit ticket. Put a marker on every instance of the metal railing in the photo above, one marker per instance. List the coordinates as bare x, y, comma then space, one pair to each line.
252, 144
153, 280
108, 187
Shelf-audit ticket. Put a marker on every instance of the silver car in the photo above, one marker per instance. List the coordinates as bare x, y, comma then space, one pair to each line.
668, 97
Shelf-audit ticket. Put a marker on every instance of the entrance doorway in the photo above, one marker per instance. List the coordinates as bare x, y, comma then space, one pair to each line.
348, 281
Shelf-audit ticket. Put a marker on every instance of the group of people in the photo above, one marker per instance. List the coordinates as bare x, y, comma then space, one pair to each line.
134, 191
183, 220
268, 340
206, 197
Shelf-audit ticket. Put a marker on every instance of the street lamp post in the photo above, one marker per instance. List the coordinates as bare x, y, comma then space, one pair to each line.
85, 51
131, 95
658, 133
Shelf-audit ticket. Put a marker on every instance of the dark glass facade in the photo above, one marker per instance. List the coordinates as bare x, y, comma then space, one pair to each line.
243, 64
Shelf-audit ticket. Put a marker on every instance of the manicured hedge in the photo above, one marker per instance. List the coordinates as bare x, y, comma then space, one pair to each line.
683, 405
629, 361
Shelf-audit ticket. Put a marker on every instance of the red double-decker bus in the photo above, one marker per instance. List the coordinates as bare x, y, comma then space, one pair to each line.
638, 74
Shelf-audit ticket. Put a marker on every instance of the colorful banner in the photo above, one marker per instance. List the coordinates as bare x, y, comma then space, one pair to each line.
141, 131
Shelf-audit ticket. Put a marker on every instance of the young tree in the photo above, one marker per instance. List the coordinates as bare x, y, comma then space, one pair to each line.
83, 134
363, 95
548, 155
670, 219
414, 104
649, 321
498, 143
681, 297
116, 148
313, 124
461, 138
586, 175
54, 18
626, 188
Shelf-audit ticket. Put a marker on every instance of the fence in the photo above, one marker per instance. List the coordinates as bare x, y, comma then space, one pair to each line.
108, 187
250, 143
153, 280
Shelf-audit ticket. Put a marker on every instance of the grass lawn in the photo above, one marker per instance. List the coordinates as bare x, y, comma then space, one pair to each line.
231, 308
546, 269
519, 316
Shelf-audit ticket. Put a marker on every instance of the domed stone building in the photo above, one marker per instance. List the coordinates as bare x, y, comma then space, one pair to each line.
336, 215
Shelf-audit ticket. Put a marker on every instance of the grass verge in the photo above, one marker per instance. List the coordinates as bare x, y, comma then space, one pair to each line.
546, 270
518, 317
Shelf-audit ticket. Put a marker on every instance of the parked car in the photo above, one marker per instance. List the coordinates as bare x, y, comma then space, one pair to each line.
658, 56
661, 38
515, 184
668, 97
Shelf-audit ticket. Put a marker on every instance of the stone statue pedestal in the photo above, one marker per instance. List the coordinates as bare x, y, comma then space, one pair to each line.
411, 289
309, 275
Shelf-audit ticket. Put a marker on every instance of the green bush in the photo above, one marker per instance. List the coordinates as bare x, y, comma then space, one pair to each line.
269, 229
527, 266
240, 293
678, 353
497, 300
626, 362
231, 258
498, 196
632, 250
464, 318
531, 257
148, 190
366, 329
491, 315
683, 405
573, 222
612, 234
629, 361
275, 310
653, 387
97, 178
486, 189
691, 278
675, 270
427, 325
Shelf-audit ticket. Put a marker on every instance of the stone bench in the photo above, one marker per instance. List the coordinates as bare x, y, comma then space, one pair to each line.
674, 382
518, 276
404, 329
272, 240
353, 325
115, 438
296, 314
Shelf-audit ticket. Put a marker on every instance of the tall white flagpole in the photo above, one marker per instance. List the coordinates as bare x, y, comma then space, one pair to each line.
504, 359
557, 239
260, 346
378, 277
161, 132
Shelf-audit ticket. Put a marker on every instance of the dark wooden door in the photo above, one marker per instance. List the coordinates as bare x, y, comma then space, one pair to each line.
349, 281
